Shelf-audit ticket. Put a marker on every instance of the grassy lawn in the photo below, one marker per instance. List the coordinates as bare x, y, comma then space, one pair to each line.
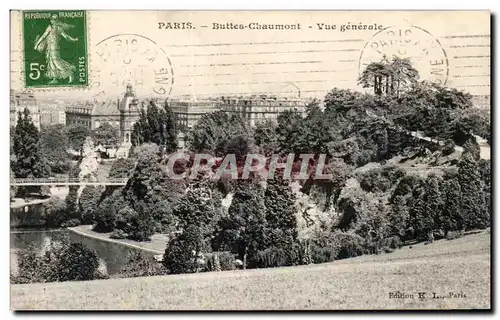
459, 266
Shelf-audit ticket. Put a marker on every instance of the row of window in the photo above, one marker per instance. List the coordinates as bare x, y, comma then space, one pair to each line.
79, 122
263, 103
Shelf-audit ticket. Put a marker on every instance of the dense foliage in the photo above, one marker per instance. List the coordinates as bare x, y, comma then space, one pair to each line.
55, 144
376, 198
156, 125
58, 260
105, 135
27, 160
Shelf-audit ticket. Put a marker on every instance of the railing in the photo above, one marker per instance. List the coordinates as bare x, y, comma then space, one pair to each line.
65, 181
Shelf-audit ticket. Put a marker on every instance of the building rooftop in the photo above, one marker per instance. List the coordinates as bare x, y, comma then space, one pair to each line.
95, 108
105, 108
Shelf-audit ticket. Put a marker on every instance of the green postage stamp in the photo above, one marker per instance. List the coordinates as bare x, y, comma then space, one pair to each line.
55, 49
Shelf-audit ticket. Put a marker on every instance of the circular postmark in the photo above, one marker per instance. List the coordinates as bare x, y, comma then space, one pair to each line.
124, 59
424, 51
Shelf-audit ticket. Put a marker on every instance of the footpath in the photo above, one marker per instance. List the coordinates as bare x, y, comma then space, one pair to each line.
156, 245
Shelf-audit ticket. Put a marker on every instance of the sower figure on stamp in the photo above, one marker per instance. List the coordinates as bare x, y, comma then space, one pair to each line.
56, 67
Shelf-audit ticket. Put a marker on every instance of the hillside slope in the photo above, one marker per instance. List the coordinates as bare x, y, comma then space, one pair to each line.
461, 266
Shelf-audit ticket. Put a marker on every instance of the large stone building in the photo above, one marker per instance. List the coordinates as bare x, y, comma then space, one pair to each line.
92, 114
188, 112
252, 108
52, 117
121, 113
21, 100
260, 108
129, 114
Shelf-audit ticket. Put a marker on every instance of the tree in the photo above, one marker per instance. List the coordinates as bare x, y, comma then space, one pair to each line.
57, 261
215, 130
71, 200
13, 189
77, 262
428, 209
318, 131
89, 200
148, 184
472, 121
199, 206
340, 101
265, 137
106, 213
140, 224
389, 77
156, 125
244, 228
471, 147
433, 109
140, 265
281, 219
141, 130
311, 134
122, 168
373, 225
29, 161
55, 143
77, 134
402, 75
55, 213
105, 135
452, 218
372, 77
399, 217
473, 206
181, 254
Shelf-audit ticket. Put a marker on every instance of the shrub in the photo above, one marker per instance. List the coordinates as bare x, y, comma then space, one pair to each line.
89, 200
438, 234
35, 267
123, 217
373, 181
121, 168
140, 227
363, 158
393, 242
388, 250
321, 254
77, 262
393, 173
454, 235
277, 257
448, 147
107, 210
178, 257
348, 244
71, 223
226, 260
57, 261
118, 234
54, 213
139, 265
213, 263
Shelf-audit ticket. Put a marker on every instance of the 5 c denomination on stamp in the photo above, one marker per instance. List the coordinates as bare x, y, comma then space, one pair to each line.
55, 49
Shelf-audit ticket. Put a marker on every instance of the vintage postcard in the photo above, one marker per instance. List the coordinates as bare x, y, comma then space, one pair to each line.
250, 160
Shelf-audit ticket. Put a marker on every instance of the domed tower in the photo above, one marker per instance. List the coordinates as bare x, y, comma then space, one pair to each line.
129, 114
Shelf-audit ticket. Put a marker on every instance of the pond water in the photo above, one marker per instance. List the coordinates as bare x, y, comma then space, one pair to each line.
114, 255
